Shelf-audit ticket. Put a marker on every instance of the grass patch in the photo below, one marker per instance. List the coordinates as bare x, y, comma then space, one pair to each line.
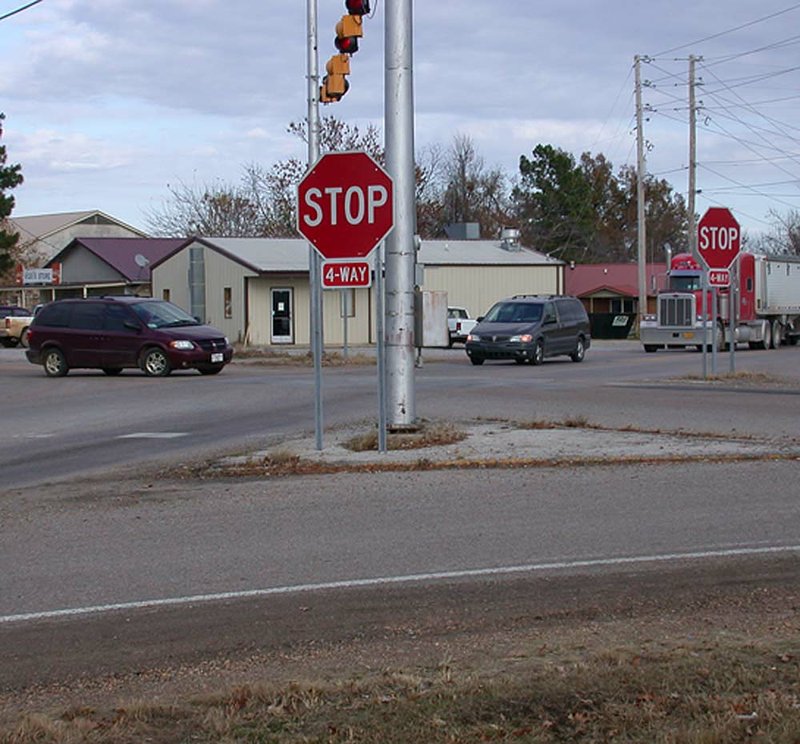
272, 357
755, 378
429, 435
712, 690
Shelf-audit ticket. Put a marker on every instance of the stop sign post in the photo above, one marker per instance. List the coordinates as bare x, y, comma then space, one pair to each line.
718, 238
345, 205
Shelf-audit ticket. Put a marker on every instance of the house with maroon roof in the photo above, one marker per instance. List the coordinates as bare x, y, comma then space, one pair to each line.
610, 294
95, 266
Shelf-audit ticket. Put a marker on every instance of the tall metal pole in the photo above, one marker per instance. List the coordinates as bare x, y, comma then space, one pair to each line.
400, 245
640, 212
314, 261
692, 158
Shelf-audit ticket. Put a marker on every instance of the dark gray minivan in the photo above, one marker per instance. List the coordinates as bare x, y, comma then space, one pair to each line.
528, 328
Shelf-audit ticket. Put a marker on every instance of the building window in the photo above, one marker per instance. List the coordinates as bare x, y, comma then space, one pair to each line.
622, 305
227, 300
165, 294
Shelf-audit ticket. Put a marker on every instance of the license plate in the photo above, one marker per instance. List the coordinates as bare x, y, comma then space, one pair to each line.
216, 358
688, 334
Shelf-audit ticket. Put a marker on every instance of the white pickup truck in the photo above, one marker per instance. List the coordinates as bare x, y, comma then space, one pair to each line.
14, 326
459, 324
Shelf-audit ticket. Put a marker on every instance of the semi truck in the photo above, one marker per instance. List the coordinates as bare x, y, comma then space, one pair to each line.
764, 291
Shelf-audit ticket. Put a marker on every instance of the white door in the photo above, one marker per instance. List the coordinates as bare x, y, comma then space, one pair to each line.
282, 326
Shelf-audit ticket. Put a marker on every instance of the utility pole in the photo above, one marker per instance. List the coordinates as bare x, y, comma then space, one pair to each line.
692, 157
400, 244
640, 211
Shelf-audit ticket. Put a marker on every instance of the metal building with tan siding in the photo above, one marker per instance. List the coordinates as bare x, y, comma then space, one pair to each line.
257, 289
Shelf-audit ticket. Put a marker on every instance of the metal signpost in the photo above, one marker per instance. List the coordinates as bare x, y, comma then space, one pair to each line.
345, 208
718, 243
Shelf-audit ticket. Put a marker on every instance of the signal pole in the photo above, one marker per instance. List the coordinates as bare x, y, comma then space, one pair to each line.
314, 263
400, 244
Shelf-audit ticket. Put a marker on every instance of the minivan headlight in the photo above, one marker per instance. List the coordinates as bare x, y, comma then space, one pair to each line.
182, 344
473, 337
523, 338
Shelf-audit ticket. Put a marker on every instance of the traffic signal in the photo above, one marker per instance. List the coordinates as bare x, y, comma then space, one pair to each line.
334, 85
357, 7
348, 32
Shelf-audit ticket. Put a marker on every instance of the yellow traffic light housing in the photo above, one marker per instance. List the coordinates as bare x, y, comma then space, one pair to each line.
348, 31
334, 85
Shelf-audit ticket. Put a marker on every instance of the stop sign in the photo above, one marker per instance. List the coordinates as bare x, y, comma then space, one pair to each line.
718, 238
345, 205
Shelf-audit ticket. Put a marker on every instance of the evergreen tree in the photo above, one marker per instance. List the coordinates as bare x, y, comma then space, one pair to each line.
10, 177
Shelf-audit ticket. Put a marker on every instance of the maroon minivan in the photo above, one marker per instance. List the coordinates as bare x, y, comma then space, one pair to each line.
115, 333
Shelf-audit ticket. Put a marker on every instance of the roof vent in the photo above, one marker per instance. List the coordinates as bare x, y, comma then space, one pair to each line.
509, 239
463, 231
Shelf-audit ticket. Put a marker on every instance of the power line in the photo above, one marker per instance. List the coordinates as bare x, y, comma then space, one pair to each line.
731, 30
19, 10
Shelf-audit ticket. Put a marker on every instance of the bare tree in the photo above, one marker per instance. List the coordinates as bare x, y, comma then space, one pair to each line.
472, 192
783, 236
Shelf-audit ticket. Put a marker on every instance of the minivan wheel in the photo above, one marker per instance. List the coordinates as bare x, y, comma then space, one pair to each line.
155, 363
477, 360
580, 351
538, 353
54, 363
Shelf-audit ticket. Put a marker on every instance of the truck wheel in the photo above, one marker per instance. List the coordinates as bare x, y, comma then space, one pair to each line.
23, 338
54, 363
777, 334
651, 348
766, 341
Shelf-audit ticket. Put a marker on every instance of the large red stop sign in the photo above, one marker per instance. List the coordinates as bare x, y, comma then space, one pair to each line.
718, 238
345, 205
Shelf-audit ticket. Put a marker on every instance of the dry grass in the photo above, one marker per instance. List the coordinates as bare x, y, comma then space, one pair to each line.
704, 691
261, 355
755, 378
428, 435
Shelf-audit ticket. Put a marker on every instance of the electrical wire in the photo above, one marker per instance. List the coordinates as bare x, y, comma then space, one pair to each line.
730, 30
19, 10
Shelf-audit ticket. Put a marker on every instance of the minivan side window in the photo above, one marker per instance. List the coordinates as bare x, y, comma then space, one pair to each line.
89, 316
55, 315
549, 313
116, 315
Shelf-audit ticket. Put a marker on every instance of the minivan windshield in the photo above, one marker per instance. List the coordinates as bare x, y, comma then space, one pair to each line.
514, 312
162, 314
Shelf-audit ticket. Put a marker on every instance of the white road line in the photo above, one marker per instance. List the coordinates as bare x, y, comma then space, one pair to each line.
391, 580
154, 435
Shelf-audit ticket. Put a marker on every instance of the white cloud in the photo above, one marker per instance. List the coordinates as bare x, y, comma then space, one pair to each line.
143, 93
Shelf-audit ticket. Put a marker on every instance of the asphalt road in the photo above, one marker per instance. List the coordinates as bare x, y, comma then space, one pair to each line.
87, 422
107, 567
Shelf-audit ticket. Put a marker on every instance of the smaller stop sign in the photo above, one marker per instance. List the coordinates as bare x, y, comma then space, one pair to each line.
345, 205
718, 238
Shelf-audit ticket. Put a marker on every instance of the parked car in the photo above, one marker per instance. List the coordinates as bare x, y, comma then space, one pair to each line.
459, 324
10, 311
16, 327
115, 333
528, 328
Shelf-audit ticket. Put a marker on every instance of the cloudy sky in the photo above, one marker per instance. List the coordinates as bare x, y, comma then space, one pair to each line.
109, 102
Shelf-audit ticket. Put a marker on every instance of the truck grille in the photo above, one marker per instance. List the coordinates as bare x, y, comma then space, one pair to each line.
676, 311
